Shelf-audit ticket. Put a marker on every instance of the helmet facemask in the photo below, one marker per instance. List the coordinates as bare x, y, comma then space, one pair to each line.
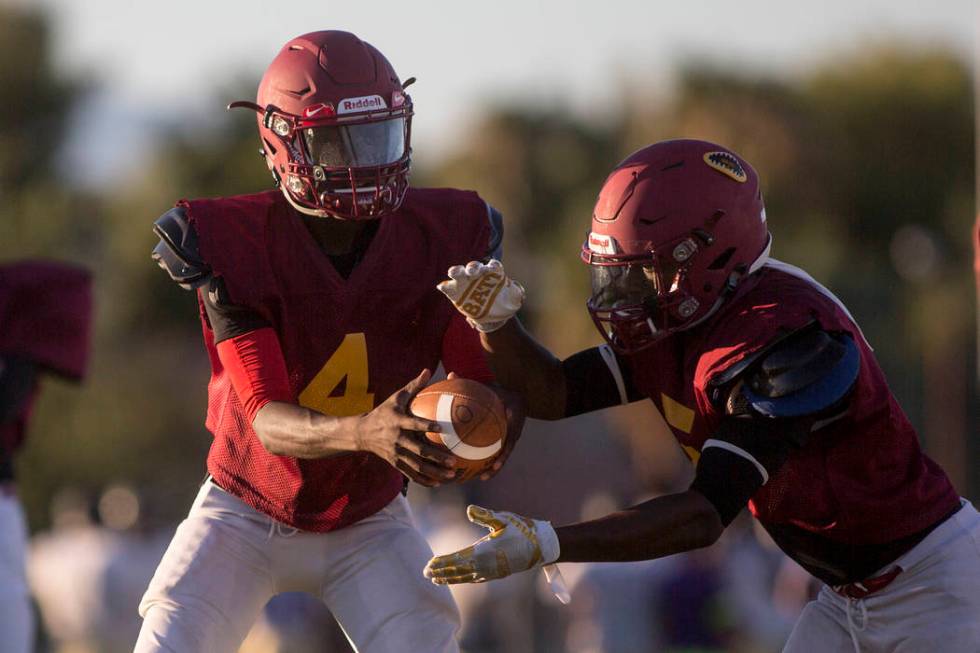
347, 167
638, 300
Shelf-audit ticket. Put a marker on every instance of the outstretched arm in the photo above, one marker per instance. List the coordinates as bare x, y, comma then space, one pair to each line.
525, 366
660, 527
551, 388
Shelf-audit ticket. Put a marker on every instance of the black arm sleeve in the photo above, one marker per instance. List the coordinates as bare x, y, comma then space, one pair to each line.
226, 319
595, 379
17, 378
739, 460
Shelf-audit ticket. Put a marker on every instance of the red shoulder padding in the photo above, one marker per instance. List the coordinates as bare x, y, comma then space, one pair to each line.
257, 369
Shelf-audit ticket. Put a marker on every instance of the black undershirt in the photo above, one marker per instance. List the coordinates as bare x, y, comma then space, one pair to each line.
345, 263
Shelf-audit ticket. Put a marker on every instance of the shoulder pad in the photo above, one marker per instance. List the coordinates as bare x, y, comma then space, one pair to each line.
177, 252
496, 247
803, 375
738, 369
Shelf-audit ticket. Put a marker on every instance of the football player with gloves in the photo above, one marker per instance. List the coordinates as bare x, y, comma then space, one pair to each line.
770, 388
515, 543
483, 293
45, 324
321, 321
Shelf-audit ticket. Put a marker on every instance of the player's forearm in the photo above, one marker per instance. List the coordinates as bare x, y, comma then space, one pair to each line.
522, 364
660, 527
287, 429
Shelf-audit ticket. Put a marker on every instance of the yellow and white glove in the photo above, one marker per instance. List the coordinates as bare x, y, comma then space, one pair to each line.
483, 293
515, 543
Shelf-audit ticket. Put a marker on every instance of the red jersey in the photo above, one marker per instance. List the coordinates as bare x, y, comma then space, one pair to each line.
45, 317
860, 480
348, 344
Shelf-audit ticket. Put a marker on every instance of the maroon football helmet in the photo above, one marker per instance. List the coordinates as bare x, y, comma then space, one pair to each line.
676, 227
335, 124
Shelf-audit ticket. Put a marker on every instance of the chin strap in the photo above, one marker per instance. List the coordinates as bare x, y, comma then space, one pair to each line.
302, 209
763, 257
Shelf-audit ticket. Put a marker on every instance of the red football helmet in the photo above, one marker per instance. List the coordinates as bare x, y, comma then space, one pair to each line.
676, 227
335, 124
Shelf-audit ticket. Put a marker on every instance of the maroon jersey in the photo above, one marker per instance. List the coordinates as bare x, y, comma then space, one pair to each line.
45, 317
860, 480
348, 343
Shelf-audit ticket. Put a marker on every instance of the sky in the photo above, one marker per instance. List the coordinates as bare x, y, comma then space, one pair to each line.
160, 62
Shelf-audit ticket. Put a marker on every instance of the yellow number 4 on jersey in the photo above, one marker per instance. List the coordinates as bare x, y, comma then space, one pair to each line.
348, 360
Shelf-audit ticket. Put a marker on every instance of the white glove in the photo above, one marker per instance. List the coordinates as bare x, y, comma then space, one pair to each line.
515, 543
483, 293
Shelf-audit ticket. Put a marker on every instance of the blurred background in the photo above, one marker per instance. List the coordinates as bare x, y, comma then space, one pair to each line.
859, 118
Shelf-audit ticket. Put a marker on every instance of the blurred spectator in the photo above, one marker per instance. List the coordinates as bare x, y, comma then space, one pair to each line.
616, 607
89, 571
295, 622
45, 311
766, 589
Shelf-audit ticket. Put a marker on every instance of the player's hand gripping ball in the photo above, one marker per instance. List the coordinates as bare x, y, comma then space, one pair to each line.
483, 293
473, 421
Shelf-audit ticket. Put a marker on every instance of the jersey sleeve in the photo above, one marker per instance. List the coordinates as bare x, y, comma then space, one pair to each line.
741, 457
486, 240
772, 403
225, 318
597, 378
462, 352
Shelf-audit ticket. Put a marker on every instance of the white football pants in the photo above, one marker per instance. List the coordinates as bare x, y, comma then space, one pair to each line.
227, 560
933, 606
16, 617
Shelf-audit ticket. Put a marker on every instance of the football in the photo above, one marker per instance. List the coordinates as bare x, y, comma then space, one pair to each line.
473, 420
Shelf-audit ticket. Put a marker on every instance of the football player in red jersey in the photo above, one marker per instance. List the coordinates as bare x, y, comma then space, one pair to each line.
45, 320
771, 389
321, 321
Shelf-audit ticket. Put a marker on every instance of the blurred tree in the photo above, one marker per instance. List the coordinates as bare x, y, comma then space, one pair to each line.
135, 420
36, 99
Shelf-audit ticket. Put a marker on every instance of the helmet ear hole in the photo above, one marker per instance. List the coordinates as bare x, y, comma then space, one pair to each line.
722, 260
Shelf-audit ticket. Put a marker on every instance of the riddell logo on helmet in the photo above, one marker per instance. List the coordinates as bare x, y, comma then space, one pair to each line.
363, 103
602, 244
